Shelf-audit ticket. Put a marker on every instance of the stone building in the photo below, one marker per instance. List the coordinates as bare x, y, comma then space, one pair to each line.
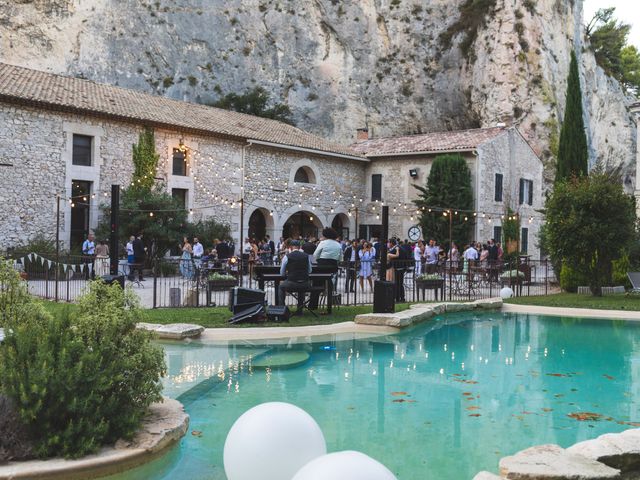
505, 174
72, 138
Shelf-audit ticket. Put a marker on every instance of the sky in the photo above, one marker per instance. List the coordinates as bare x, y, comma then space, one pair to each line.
627, 11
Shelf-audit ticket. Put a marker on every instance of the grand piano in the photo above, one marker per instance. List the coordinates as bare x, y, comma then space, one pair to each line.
319, 274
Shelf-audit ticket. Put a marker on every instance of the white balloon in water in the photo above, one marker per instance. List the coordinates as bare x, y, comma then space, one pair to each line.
347, 465
506, 292
272, 441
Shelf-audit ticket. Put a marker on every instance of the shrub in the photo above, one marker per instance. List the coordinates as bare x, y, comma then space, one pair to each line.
571, 279
83, 380
15, 301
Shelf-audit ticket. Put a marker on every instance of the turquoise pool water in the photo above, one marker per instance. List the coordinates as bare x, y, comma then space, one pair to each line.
442, 400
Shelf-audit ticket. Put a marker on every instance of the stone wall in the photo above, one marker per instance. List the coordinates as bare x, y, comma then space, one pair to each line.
510, 155
35, 153
398, 189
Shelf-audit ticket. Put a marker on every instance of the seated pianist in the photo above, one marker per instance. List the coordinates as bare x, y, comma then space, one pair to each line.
296, 267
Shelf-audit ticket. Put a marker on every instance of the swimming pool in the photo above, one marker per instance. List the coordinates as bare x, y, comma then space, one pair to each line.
442, 400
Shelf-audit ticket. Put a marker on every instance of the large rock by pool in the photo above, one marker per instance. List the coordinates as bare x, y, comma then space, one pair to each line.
173, 331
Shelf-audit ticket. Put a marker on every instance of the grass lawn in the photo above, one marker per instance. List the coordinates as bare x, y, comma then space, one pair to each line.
573, 300
215, 317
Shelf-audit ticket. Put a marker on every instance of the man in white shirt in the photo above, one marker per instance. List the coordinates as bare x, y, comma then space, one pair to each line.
89, 251
470, 254
198, 249
431, 253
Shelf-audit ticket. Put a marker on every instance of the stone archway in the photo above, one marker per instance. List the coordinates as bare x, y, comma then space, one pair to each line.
260, 224
341, 224
302, 224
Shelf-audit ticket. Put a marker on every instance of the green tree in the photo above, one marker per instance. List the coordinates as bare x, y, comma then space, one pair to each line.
609, 42
161, 219
572, 150
255, 102
145, 161
589, 223
630, 59
448, 187
608, 37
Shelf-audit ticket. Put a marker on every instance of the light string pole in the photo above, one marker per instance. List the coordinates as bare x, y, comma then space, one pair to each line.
57, 242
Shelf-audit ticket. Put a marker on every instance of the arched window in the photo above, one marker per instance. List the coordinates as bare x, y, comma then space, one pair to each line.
302, 176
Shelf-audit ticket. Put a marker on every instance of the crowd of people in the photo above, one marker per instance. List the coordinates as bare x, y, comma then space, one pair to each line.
359, 257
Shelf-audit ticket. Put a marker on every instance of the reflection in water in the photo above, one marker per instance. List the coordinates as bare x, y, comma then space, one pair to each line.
438, 401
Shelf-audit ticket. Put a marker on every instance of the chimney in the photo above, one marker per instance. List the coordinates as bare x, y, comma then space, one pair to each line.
362, 134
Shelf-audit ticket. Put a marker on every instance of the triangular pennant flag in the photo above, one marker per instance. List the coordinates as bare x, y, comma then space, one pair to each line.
90, 268
30, 257
49, 263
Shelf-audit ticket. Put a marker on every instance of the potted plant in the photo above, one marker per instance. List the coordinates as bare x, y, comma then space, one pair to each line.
221, 281
512, 277
427, 280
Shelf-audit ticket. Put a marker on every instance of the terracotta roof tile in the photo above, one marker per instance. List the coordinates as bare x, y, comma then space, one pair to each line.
459, 140
24, 85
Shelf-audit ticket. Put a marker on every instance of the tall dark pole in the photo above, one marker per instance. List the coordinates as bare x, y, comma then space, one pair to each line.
385, 239
115, 229
450, 229
241, 244
357, 234
57, 242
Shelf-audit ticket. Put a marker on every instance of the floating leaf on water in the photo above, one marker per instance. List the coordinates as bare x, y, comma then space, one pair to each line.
462, 380
585, 416
398, 394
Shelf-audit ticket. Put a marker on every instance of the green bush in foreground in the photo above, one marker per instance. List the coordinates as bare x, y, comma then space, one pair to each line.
15, 301
84, 379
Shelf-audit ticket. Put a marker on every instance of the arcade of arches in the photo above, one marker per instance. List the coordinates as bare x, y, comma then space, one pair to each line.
302, 223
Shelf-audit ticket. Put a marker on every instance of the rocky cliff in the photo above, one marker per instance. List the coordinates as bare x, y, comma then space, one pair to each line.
394, 64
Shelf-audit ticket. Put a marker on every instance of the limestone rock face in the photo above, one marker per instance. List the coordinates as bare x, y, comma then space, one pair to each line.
338, 64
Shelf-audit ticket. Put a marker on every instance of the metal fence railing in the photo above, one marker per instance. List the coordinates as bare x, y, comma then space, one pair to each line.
173, 282
61, 280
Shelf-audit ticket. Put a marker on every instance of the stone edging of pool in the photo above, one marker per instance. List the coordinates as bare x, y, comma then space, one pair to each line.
572, 312
164, 425
419, 312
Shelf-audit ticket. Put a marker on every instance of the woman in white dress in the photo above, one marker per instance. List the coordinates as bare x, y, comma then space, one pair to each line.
367, 257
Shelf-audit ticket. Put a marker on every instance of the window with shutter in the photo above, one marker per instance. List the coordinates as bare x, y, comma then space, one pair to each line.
521, 196
497, 234
179, 163
530, 198
376, 187
524, 241
82, 150
498, 188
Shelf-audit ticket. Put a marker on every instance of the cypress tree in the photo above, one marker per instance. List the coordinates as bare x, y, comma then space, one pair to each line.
572, 151
448, 187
